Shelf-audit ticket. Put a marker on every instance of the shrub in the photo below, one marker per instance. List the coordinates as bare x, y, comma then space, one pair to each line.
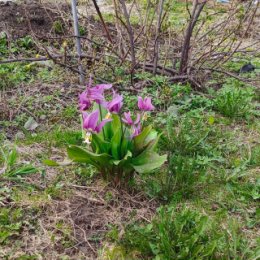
118, 145
234, 101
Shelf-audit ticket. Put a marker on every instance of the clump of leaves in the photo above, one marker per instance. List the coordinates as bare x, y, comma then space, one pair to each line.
11, 169
58, 27
118, 145
234, 100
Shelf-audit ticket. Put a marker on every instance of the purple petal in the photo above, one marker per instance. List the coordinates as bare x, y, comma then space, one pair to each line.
128, 120
148, 102
137, 120
116, 104
91, 120
145, 104
137, 130
84, 107
101, 125
140, 103
82, 96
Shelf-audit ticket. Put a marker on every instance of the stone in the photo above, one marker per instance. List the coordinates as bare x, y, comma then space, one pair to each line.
20, 135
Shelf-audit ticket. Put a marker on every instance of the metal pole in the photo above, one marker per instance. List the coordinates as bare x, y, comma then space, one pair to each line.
78, 45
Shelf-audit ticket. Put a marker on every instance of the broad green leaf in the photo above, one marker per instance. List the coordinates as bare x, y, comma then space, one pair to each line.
147, 161
99, 145
77, 154
116, 144
50, 163
116, 123
140, 139
121, 162
148, 138
125, 146
153, 142
54, 163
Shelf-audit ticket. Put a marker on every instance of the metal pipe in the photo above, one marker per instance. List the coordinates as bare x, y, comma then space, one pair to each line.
77, 37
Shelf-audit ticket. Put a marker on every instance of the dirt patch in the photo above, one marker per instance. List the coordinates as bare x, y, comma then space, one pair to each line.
19, 20
75, 228
95, 210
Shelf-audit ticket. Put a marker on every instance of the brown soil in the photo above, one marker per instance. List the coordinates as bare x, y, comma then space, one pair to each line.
76, 227
19, 20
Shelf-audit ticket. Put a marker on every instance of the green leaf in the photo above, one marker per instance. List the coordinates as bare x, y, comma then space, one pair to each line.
125, 146
49, 162
147, 139
12, 157
116, 144
140, 139
77, 154
120, 162
99, 145
25, 170
147, 161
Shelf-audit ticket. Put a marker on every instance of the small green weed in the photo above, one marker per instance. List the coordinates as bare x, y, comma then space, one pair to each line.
234, 100
10, 223
11, 169
58, 27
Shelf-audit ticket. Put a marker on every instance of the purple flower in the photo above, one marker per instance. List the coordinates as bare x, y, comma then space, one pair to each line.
128, 119
136, 130
115, 104
84, 102
92, 94
90, 122
145, 104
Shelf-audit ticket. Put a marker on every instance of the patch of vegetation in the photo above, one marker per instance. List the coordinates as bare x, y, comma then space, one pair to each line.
182, 234
14, 74
10, 223
235, 100
11, 168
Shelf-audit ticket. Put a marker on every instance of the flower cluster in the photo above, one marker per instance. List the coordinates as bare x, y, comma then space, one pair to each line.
93, 122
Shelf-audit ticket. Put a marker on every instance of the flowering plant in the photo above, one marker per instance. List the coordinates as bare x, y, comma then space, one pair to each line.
117, 144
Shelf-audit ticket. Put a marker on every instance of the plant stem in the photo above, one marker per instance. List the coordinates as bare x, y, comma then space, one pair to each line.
122, 129
101, 117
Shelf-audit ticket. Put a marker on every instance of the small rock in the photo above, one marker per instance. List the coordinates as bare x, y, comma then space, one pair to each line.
20, 135
214, 206
31, 124
43, 117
